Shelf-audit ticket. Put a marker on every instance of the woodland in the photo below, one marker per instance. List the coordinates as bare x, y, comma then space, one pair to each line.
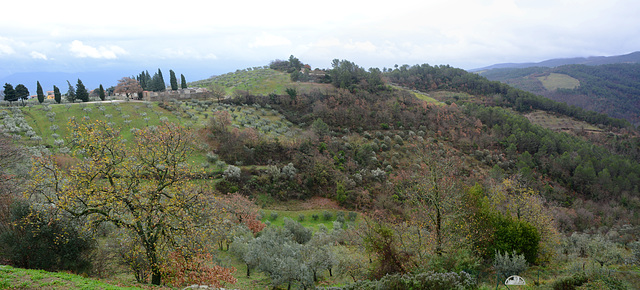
412, 177
611, 89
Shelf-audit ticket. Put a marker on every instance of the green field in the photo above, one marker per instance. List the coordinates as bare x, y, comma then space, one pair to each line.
555, 81
16, 278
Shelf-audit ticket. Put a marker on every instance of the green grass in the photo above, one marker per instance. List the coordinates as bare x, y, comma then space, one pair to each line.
16, 278
556, 81
426, 97
136, 112
260, 81
308, 221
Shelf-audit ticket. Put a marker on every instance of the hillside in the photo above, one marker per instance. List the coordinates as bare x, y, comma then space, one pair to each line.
351, 175
610, 89
633, 57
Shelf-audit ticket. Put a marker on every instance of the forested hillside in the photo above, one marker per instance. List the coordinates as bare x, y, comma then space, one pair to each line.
451, 193
610, 89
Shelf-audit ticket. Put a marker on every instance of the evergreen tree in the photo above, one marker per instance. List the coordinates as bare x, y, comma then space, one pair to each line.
183, 82
145, 81
9, 93
101, 93
173, 80
56, 94
81, 92
161, 84
71, 93
40, 93
157, 82
22, 92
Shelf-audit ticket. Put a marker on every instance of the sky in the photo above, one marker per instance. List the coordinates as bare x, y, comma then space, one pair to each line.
205, 38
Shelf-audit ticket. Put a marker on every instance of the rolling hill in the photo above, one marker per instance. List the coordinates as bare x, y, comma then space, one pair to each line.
434, 162
611, 89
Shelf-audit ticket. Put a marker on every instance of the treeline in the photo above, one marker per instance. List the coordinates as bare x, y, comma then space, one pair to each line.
428, 78
79, 92
157, 84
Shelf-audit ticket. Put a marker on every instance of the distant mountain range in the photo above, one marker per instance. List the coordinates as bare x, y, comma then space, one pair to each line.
633, 57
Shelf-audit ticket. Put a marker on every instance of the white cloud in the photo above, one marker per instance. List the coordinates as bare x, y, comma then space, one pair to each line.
81, 50
267, 40
38, 55
6, 49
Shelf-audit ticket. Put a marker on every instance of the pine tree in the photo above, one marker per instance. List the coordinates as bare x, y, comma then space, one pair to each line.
173, 80
81, 92
101, 93
9, 93
71, 93
183, 82
40, 93
56, 94
22, 92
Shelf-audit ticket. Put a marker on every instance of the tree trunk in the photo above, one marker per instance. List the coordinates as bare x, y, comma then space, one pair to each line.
438, 233
248, 271
330, 275
315, 277
152, 257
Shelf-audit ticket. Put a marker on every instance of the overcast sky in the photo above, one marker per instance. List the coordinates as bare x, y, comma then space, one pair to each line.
214, 37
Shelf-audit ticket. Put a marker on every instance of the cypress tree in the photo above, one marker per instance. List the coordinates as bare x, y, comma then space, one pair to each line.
56, 94
183, 82
71, 93
157, 82
101, 93
173, 80
81, 92
161, 84
40, 93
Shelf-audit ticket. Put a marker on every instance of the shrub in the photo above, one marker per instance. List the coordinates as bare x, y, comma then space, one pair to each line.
516, 235
327, 215
300, 234
300, 217
36, 241
315, 216
509, 265
571, 282
231, 173
428, 280
273, 216
351, 216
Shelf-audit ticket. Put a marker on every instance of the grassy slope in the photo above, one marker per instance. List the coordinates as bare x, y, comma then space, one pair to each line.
555, 122
16, 278
555, 81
